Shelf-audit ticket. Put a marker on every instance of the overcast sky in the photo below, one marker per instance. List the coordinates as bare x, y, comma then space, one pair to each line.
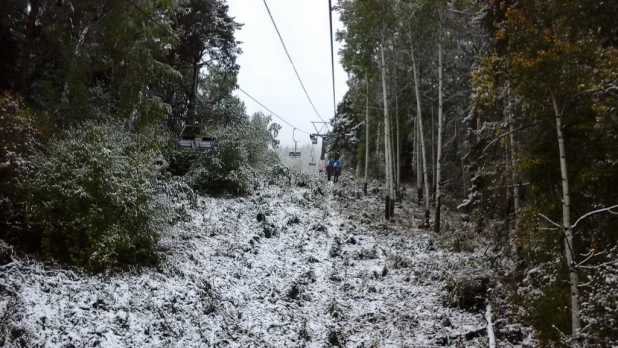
266, 73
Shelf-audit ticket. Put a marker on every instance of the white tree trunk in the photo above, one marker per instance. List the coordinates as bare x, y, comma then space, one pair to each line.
366, 137
490, 327
515, 177
417, 162
566, 221
433, 150
421, 136
387, 137
378, 157
513, 161
439, 150
398, 157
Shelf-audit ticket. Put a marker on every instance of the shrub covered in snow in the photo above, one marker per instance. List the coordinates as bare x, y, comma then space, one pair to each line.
600, 302
92, 198
225, 171
243, 155
18, 142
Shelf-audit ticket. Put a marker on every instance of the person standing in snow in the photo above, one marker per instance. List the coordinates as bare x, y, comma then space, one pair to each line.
337, 170
329, 168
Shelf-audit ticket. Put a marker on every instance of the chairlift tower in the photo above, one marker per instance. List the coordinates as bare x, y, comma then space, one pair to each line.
324, 132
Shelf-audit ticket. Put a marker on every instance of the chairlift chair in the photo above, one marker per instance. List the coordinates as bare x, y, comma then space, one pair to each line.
190, 138
312, 163
294, 153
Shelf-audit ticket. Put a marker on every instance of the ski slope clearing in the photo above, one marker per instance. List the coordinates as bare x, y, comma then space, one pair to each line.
306, 266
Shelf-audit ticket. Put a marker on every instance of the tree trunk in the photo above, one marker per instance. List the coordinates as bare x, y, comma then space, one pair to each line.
514, 162
515, 179
418, 163
463, 167
490, 326
433, 152
24, 74
366, 138
193, 94
387, 137
421, 136
378, 158
439, 151
566, 221
398, 157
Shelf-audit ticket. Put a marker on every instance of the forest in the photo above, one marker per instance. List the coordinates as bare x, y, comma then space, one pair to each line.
487, 127
505, 110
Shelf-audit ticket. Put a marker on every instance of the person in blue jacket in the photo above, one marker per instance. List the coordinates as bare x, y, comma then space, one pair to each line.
329, 168
337, 170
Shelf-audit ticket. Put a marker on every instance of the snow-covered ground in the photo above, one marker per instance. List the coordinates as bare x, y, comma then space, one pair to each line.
319, 269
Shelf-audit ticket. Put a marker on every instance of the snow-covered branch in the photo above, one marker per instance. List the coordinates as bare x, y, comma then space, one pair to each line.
590, 255
550, 220
509, 133
595, 212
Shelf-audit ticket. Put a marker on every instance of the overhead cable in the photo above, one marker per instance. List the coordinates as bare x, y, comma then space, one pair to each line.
269, 110
332, 54
291, 61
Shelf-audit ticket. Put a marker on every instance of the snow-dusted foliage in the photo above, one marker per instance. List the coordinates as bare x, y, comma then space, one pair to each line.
92, 198
346, 126
244, 152
314, 266
599, 307
18, 142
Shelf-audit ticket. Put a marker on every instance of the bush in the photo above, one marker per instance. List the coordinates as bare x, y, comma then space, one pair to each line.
18, 143
93, 198
243, 154
225, 171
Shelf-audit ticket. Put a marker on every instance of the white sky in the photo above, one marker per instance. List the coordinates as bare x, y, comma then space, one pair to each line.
266, 73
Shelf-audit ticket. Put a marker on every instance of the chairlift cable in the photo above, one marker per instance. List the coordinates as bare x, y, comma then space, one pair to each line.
291, 61
332, 55
269, 110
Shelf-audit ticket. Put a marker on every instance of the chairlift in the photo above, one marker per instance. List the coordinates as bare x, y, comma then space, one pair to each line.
314, 138
190, 138
294, 153
312, 163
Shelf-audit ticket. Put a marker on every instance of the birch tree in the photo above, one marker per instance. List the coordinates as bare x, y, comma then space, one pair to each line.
421, 137
555, 70
387, 134
366, 135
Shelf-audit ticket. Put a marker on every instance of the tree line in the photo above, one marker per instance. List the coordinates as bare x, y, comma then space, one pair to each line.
93, 96
506, 111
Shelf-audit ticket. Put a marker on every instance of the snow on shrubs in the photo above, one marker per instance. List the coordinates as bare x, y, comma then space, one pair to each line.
243, 156
92, 198
18, 142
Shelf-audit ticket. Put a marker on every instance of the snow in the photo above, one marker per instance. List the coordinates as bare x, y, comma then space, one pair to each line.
333, 273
